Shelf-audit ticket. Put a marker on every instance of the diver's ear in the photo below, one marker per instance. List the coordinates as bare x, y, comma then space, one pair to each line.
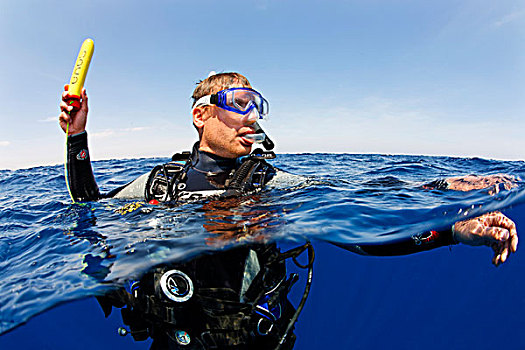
199, 116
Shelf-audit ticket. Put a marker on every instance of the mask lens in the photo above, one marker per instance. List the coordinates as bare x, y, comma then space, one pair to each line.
243, 101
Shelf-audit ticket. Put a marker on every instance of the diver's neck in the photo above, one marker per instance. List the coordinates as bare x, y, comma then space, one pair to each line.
210, 162
203, 147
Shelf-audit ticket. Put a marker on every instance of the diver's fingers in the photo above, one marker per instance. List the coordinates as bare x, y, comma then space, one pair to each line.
496, 247
64, 117
64, 107
63, 120
495, 259
65, 95
500, 220
513, 239
505, 252
84, 103
514, 242
495, 235
502, 250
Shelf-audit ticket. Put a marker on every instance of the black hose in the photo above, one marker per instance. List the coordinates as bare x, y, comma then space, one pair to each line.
311, 257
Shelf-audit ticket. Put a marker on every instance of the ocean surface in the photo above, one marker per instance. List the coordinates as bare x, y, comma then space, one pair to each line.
56, 256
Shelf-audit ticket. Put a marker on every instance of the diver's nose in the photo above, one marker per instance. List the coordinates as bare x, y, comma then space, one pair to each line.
251, 117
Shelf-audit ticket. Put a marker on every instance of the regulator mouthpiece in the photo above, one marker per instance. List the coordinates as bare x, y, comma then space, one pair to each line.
256, 138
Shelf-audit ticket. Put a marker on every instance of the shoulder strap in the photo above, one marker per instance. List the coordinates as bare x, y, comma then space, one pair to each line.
252, 175
165, 181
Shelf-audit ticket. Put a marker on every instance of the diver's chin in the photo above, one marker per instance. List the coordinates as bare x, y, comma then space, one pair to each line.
246, 149
246, 142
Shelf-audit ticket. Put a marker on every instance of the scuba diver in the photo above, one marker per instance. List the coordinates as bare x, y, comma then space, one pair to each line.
242, 291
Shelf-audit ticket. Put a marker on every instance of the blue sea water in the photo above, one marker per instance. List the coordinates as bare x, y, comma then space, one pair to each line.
55, 256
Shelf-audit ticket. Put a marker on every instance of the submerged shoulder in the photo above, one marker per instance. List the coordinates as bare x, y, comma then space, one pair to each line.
133, 190
283, 179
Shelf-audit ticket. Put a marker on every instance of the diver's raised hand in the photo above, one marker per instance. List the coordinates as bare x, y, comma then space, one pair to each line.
77, 119
492, 229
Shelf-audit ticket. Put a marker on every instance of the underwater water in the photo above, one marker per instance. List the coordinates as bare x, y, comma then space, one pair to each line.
53, 252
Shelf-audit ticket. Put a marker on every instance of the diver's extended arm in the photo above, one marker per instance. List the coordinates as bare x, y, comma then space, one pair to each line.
414, 244
492, 229
474, 182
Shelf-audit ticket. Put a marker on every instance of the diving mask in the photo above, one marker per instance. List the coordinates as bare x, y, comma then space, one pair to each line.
239, 100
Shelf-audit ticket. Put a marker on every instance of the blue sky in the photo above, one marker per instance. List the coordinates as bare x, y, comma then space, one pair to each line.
394, 77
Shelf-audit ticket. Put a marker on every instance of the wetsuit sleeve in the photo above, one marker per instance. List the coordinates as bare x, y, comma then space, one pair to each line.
80, 174
414, 244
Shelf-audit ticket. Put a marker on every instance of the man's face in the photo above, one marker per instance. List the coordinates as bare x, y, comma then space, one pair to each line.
223, 132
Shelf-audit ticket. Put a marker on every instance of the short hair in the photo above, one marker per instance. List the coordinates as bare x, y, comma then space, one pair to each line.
218, 82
